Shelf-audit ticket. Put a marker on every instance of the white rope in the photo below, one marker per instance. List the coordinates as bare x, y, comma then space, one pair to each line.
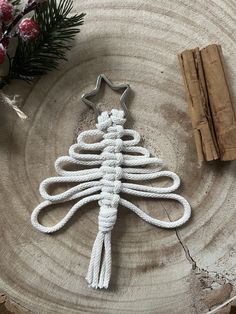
118, 159
13, 103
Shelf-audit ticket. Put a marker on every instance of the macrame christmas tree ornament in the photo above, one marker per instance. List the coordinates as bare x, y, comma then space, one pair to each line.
117, 159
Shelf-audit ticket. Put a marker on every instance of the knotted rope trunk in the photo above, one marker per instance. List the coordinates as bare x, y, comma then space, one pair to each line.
99, 271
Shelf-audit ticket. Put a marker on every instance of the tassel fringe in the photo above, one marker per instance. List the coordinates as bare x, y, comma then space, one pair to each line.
99, 272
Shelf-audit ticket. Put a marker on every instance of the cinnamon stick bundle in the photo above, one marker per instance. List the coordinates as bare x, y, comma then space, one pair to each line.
209, 103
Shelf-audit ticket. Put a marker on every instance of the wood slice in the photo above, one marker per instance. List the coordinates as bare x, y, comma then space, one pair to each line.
189, 270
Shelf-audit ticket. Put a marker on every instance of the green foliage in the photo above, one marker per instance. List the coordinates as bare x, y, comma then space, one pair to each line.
15, 2
57, 30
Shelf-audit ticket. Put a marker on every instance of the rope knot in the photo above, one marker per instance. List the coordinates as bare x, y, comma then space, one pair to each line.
118, 173
104, 121
117, 186
106, 218
117, 117
119, 159
119, 144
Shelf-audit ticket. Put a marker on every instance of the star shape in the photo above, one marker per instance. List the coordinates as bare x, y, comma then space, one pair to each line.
113, 86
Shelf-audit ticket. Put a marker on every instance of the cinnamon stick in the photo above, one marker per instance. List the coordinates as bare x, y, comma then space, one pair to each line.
220, 101
198, 105
209, 103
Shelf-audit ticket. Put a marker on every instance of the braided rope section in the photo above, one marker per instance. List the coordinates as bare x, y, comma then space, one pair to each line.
118, 159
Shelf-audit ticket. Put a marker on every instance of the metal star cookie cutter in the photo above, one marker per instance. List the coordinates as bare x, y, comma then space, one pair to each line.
113, 86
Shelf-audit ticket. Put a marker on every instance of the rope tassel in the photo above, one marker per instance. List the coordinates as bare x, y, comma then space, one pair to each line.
99, 272
119, 158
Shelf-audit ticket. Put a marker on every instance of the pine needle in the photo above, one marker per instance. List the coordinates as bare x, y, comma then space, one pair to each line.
57, 30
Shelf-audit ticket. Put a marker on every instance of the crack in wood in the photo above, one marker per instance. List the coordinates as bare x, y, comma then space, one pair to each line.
213, 289
186, 250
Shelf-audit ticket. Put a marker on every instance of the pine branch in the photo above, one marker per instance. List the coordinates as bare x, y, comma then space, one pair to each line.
57, 30
15, 2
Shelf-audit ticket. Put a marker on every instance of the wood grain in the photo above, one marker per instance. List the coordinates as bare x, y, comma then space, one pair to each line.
154, 270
